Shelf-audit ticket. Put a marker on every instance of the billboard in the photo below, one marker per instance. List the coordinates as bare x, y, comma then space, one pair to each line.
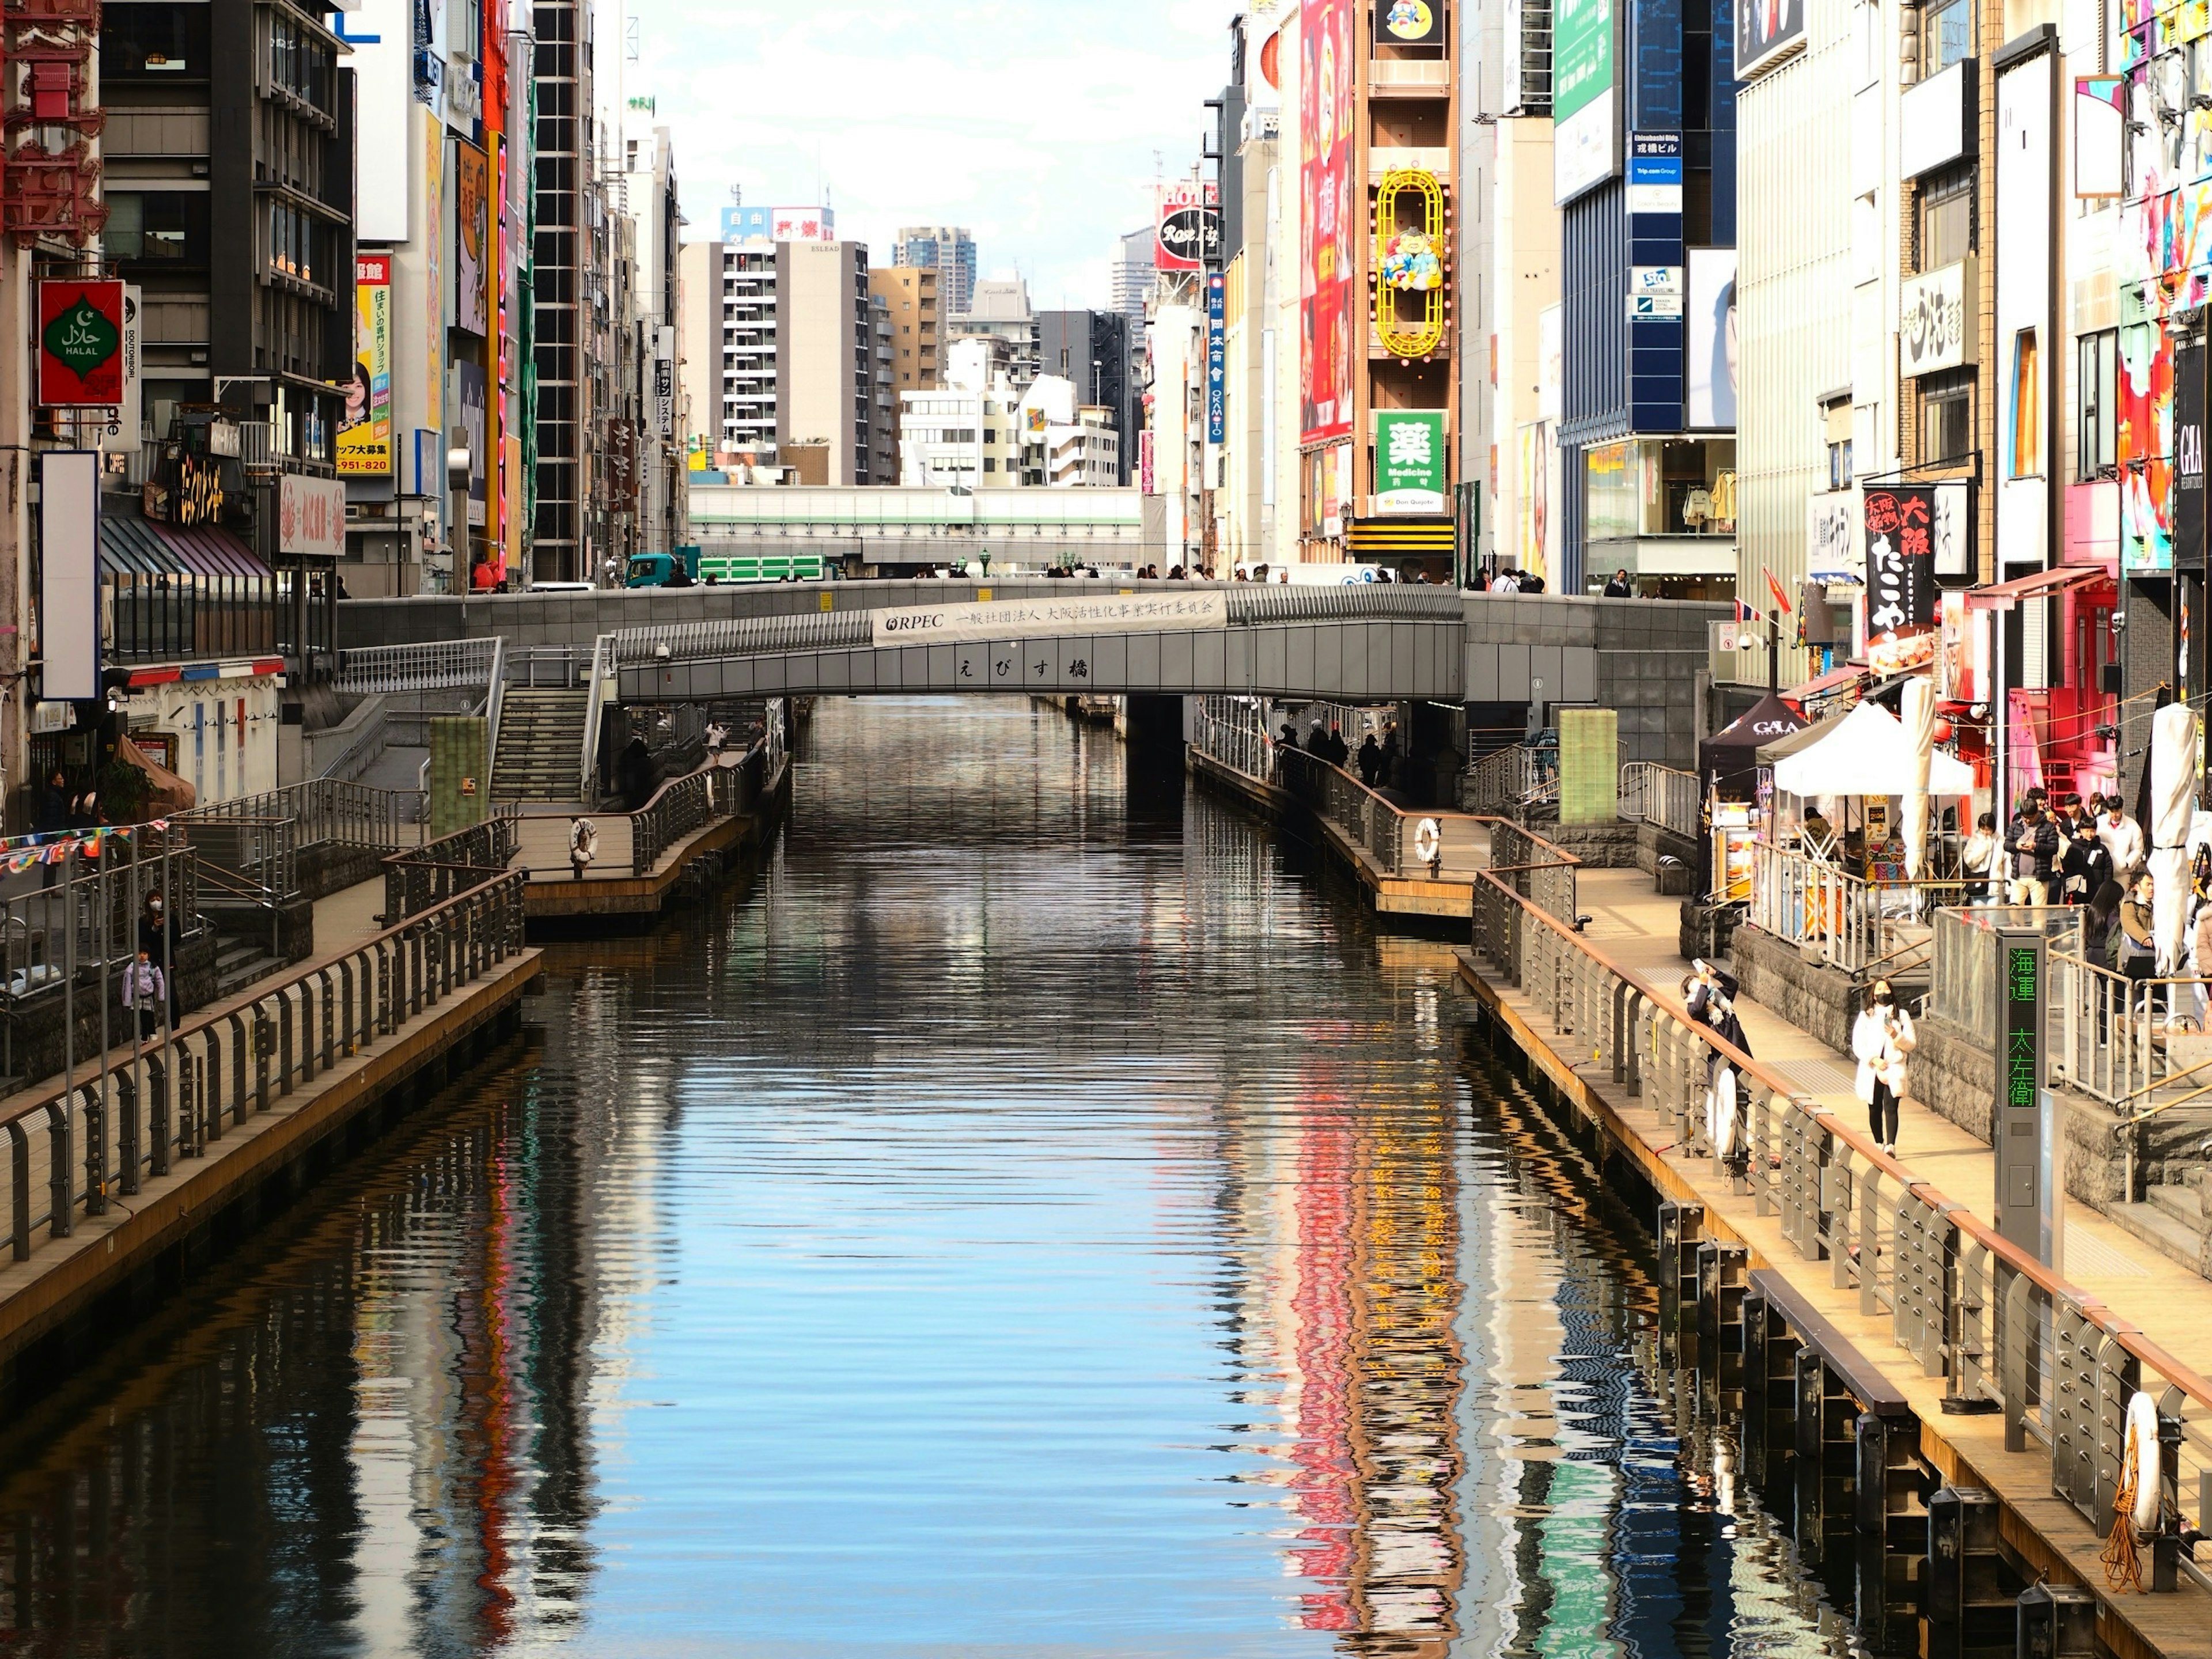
69, 589
1535, 509
1584, 119
1710, 373
473, 240
1328, 223
1899, 522
1410, 22
471, 377
1409, 460
365, 430
81, 344
1766, 31
1189, 225
310, 516
380, 33
2146, 448
764, 227
1217, 360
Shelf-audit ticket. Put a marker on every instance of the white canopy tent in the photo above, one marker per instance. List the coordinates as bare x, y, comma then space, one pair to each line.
1869, 752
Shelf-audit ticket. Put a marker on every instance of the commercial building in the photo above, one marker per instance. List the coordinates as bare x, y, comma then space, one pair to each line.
968, 434
948, 250
911, 296
1000, 311
1131, 276
1090, 350
570, 271
648, 199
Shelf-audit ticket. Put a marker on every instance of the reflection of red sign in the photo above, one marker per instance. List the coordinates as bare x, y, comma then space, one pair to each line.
1328, 222
81, 344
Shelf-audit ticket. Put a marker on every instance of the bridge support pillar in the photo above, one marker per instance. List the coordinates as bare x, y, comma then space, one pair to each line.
1151, 731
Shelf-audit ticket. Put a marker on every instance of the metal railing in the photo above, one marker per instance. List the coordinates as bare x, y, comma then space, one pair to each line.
441, 665
420, 879
1509, 777
1652, 793
139, 1111
1964, 986
1999, 1328
327, 812
602, 665
350, 747
495, 700
1810, 901
689, 803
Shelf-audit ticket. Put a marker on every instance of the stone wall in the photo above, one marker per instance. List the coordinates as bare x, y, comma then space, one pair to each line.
1599, 846
1812, 996
1954, 1075
35, 1048
1654, 843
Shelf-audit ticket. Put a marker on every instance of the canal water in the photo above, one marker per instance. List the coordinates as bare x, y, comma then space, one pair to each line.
1038, 1216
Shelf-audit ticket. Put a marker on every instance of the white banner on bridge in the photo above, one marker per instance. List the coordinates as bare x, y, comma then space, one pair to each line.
1014, 619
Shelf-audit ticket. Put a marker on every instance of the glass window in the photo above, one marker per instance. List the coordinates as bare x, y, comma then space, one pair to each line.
2096, 434
1947, 419
1612, 504
152, 40
1839, 465
170, 227
1947, 35
1946, 223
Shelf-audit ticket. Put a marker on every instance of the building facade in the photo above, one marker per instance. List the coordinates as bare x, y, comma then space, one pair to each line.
912, 296
1000, 311
1090, 350
948, 250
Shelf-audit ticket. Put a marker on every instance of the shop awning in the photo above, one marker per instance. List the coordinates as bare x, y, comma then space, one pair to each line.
139, 547
1730, 758
2039, 585
1834, 680
1865, 752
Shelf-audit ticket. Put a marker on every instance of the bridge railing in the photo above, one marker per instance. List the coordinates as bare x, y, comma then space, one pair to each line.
438, 666
138, 1112
2001, 1331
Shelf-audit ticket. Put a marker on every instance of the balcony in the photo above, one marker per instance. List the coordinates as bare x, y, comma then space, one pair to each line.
1404, 77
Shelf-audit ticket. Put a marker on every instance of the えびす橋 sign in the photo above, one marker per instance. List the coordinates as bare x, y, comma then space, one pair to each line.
81, 344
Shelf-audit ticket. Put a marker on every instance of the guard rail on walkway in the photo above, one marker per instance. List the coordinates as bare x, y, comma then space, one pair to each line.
2001, 1329
138, 1113
689, 803
1509, 777
1964, 989
1652, 793
1812, 901
421, 878
440, 666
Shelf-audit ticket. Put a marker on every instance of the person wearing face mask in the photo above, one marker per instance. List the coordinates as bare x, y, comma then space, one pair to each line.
154, 929
1881, 1039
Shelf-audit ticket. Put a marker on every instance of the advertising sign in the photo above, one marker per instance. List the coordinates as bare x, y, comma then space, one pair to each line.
379, 33
664, 383
1900, 522
2145, 449
310, 516
988, 621
1410, 22
1935, 327
2189, 413
1711, 376
472, 265
1583, 117
121, 436
1766, 31
1655, 172
68, 590
1217, 360
1409, 460
365, 431
2100, 128
81, 344
1190, 226
1329, 223
471, 379
1831, 548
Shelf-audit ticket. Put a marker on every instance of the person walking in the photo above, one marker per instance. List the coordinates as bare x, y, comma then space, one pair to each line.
2032, 841
145, 988
583, 845
1881, 1039
1370, 759
1388, 773
1981, 861
2121, 835
2086, 865
1708, 996
2139, 934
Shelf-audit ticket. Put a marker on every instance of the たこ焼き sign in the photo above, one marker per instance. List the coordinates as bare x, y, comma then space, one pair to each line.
81, 344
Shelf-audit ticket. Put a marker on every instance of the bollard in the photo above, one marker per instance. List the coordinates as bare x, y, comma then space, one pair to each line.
2056, 1621
1723, 1271
1891, 1484
1827, 1457
1770, 1398
1970, 1601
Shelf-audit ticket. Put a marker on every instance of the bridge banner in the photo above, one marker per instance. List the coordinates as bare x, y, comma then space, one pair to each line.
1014, 619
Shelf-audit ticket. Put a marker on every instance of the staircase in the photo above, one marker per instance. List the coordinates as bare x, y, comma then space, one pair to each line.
541, 746
240, 959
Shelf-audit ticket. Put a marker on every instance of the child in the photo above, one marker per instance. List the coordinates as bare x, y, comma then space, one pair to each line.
145, 989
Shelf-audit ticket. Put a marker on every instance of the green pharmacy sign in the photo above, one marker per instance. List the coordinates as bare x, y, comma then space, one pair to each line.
1411, 473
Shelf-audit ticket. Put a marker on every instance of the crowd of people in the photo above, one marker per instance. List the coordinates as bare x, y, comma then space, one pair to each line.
1379, 761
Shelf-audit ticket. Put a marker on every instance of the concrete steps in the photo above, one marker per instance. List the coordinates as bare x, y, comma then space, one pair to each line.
239, 963
541, 746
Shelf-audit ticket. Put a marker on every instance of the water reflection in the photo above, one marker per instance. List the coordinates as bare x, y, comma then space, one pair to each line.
1038, 1218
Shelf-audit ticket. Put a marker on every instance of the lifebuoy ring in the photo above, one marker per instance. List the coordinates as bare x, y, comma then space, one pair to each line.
1724, 1112
1428, 840
2142, 1454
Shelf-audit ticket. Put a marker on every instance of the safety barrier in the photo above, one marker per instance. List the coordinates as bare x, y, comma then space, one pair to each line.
442, 665
1508, 777
2002, 1331
420, 879
138, 1113
689, 803
1652, 793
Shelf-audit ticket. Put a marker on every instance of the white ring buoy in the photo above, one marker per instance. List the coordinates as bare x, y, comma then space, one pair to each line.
1428, 840
1724, 1112
2143, 1450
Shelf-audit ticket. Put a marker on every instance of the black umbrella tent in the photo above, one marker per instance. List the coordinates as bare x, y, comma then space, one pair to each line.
1731, 758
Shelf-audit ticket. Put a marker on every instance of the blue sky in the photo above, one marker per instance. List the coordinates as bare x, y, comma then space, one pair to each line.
1034, 125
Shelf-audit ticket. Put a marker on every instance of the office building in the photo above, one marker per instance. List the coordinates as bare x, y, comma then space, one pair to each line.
1131, 278
1091, 351
1000, 311
910, 294
948, 251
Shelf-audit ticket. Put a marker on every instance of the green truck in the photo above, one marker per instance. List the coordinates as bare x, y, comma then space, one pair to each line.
690, 566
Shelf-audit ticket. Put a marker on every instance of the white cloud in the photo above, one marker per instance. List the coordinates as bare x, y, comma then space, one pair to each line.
1036, 125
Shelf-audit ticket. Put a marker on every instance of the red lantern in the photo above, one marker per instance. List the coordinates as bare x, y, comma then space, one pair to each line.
1942, 731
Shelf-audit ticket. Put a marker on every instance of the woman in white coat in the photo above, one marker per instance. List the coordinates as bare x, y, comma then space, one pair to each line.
1880, 1040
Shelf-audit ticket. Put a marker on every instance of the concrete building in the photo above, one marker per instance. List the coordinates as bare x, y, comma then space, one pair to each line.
1000, 311
948, 250
912, 295
1132, 279
968, 434
648, 197
1092, 350
570, 266
1248, 122
790, 353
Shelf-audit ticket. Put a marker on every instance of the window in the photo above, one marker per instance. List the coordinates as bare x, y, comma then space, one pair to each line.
2026, 444
1947, 35
1946, 222
1947, 418
1839, 465
170, 227
2096, 435
990, 464
152, 40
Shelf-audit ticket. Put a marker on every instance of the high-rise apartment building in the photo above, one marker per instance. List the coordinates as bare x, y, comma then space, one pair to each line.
1091, 351
948, 250
1000, 311
916, 314
783, 349
1135, 257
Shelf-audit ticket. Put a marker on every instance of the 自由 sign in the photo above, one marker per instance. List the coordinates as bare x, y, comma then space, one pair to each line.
1410, 474
81, 344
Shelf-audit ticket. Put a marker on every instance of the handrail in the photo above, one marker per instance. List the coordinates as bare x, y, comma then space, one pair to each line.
1972, 1308
136, 1109
495, 704
682, 804
587, 780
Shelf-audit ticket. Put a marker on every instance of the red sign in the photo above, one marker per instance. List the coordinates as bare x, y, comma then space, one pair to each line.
81, 344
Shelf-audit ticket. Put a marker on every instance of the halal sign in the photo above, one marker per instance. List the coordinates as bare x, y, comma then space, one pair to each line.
81, 344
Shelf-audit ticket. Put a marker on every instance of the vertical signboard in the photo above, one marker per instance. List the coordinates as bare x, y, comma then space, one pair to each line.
365, 431
1712, 343
1409, 460
472, 263
2030, 1160
1900, 522
1328, 224
2189, 412
664, 383
81, 344
69, 588
1217, 360
378, 33
121, 437
473, 393
1585, 121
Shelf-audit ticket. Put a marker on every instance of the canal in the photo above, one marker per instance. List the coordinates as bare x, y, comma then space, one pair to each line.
1035, 1216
